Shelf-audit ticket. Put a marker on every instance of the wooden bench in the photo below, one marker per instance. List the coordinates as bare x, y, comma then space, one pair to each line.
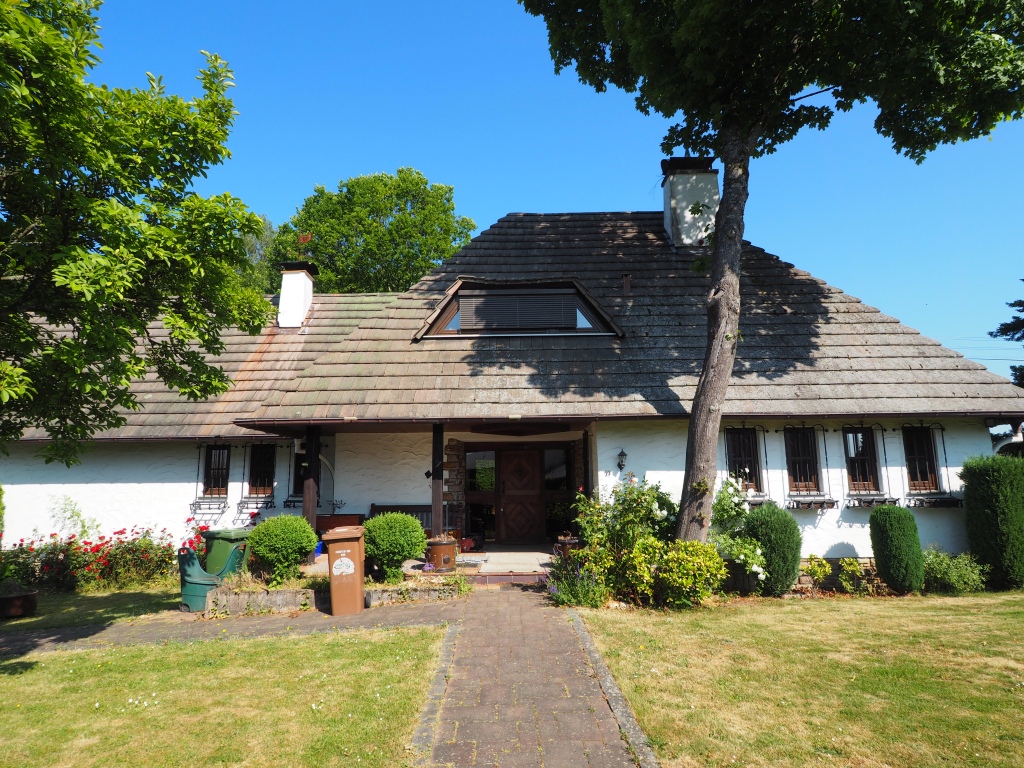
422, 512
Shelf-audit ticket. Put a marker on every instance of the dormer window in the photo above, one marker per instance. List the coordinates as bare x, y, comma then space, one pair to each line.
479, 309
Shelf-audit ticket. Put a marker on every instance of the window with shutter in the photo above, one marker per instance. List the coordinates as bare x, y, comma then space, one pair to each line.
920, 453
741, 456
861, 461
261, 470
215, 478
802, 460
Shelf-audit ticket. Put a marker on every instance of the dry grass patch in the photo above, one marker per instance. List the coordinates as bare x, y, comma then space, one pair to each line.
323, 700
846, 682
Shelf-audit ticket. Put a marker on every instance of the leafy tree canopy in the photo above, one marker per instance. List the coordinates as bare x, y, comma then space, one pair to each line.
376, 233
110, 266
1013, 330
743, 77
939, 72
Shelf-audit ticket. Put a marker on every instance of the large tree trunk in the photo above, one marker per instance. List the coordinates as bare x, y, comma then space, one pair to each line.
723, 305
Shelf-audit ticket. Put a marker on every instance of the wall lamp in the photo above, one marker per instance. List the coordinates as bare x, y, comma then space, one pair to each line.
622, 459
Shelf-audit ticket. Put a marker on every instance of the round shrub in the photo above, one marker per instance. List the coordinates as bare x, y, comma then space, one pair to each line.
779, 536
280, 544
897, 548
994, 514
393, 538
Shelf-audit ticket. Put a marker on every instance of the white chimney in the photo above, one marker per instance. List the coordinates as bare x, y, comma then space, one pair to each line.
296, 293
690, 183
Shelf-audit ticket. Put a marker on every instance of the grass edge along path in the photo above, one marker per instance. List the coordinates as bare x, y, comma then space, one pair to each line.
841, 682
349, 698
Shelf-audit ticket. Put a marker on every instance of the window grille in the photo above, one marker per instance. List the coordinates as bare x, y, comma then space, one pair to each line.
261, 470
861, 459
215, 477
920, 453
802, 459
742, 458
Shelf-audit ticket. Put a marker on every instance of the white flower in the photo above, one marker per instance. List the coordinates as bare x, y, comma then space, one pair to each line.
746, 507
751, 492
759, 550
760, 577
757, 569
741, 557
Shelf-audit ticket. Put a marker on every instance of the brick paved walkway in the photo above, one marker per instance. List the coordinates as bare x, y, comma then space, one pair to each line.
522, 692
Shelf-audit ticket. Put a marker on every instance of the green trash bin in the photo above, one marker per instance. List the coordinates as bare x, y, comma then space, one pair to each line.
219, 545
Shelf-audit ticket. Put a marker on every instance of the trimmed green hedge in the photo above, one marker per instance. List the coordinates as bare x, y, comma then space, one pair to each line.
393, 538
777, 532
280, 544
897, 548
994, 514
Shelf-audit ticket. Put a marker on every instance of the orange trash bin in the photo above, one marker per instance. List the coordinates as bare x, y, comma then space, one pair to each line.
345, 554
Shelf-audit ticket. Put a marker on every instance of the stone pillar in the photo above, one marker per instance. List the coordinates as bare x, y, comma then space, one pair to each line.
455, 482
437, 481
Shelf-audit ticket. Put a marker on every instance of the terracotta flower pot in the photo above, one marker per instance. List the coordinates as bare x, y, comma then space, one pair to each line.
13, 606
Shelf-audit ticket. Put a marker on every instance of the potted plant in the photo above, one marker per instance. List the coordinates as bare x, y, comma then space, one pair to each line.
16, 599
441, 552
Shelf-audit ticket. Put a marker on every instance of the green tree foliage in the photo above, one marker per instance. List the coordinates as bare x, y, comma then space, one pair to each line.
743, 78
261, 273
994, 514
897, 548
1013, 330
779, 536
376, 233
109, 264
280, 544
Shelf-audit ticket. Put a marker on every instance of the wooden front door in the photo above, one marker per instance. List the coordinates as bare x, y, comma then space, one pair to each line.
520, 506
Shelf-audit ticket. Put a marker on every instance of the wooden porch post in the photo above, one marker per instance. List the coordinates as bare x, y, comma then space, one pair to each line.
437, 482
311, 483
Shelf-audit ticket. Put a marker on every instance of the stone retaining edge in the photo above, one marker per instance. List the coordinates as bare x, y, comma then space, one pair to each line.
630, 728
423, 739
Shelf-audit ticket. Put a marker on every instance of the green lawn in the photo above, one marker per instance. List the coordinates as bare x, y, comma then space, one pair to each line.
322, 700
69, 609
833, 682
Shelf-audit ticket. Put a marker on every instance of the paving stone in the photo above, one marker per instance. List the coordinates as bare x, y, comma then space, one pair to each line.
540, 703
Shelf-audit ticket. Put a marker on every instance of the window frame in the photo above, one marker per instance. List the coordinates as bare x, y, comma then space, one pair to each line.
268, 463
812, 486
212, 473
601, 324
860, 486
924, 437
750, 480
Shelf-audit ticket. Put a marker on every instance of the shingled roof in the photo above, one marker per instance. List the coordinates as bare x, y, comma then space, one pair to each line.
258, 365
808, 350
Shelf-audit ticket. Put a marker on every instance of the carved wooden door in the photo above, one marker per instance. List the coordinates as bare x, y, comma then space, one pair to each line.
520, 509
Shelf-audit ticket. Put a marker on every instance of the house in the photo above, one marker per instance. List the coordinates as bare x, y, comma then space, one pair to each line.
556, 351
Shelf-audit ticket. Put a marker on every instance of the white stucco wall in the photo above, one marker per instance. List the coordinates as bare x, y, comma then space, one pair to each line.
656, 452
122, 485
382, 469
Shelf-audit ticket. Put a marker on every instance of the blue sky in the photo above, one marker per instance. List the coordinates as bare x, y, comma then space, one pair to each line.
465, 92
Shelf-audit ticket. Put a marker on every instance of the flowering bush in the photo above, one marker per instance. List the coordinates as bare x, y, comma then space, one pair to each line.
744, 550
630, 553
195, 540
128, 558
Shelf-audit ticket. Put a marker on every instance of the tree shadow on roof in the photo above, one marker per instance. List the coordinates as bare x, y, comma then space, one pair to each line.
661, 310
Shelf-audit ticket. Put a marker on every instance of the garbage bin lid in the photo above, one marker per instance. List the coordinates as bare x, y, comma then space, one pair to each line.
230, 534
343, 532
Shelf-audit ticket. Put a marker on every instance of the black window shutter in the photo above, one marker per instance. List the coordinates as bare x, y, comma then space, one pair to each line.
535, 310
